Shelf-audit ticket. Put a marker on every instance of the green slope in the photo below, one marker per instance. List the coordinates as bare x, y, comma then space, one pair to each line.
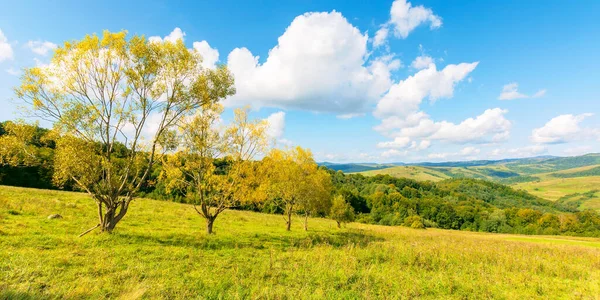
160, 251
576, 178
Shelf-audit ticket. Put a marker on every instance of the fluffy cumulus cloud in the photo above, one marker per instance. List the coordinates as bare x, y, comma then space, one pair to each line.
404, 18
422, 62
413, 129
393, 153
174, 36
380, 36
469, 151
490, 126
41, 47
511, 92
404, 97
563, 129
210, 56
399, 142
6, 51
276, 125
319, 64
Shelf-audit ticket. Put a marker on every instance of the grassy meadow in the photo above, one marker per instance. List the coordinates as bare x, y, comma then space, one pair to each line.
160, 250
412, 172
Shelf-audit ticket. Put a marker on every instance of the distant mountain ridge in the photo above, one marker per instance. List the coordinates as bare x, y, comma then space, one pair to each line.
366, 166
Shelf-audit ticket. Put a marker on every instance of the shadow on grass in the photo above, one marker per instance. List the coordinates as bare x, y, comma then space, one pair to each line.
256, 240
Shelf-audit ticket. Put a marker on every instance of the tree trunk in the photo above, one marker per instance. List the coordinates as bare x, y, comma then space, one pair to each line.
209, 225
305, 221
113, 215
288, 222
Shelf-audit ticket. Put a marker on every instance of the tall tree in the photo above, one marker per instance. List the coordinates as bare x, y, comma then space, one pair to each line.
295, 183
103, 91
192, 170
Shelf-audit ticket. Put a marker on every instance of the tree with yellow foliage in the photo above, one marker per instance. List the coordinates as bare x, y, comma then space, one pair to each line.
104, 91
296, 184
192, 172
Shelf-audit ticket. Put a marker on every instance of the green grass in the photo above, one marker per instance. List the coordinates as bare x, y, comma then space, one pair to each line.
542, 179
412, 172
160, 250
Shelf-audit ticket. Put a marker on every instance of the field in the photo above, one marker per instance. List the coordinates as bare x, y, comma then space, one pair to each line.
160, 250
548, 178
412, 172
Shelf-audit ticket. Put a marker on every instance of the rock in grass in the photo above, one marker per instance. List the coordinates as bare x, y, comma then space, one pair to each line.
54, 216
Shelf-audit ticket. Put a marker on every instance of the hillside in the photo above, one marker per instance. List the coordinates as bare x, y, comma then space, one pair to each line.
354, 167
551, 178
412, 172
161, 251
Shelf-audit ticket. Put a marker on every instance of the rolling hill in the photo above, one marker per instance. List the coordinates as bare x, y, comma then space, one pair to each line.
567, 179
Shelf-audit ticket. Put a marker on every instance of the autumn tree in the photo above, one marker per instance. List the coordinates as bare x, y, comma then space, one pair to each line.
192, 171
295, 183
100, 92
16, 147
341, 211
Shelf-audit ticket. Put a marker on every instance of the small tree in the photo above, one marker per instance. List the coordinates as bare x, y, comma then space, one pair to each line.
316, 199
341, 211
295, 183
192, 170
101, 92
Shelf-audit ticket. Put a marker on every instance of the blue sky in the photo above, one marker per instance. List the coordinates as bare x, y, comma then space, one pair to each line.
450, 81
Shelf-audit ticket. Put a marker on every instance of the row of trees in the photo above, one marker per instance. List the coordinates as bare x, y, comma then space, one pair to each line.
121, 108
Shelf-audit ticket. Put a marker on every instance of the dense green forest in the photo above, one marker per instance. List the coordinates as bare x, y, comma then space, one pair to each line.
459, 203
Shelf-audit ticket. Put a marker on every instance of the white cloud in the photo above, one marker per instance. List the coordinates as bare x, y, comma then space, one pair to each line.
580, 150
41, 47
319, 64
6, 51
380, 36
466, 153
528, 151
276, 125
563, 129
490, 126
404, 18
539, 94
422, 62
174, 36
469, 151
393, 153
210, 56
13, 71
399, 142
424, 144
438, 155
405, 97
350, 116
510, 92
